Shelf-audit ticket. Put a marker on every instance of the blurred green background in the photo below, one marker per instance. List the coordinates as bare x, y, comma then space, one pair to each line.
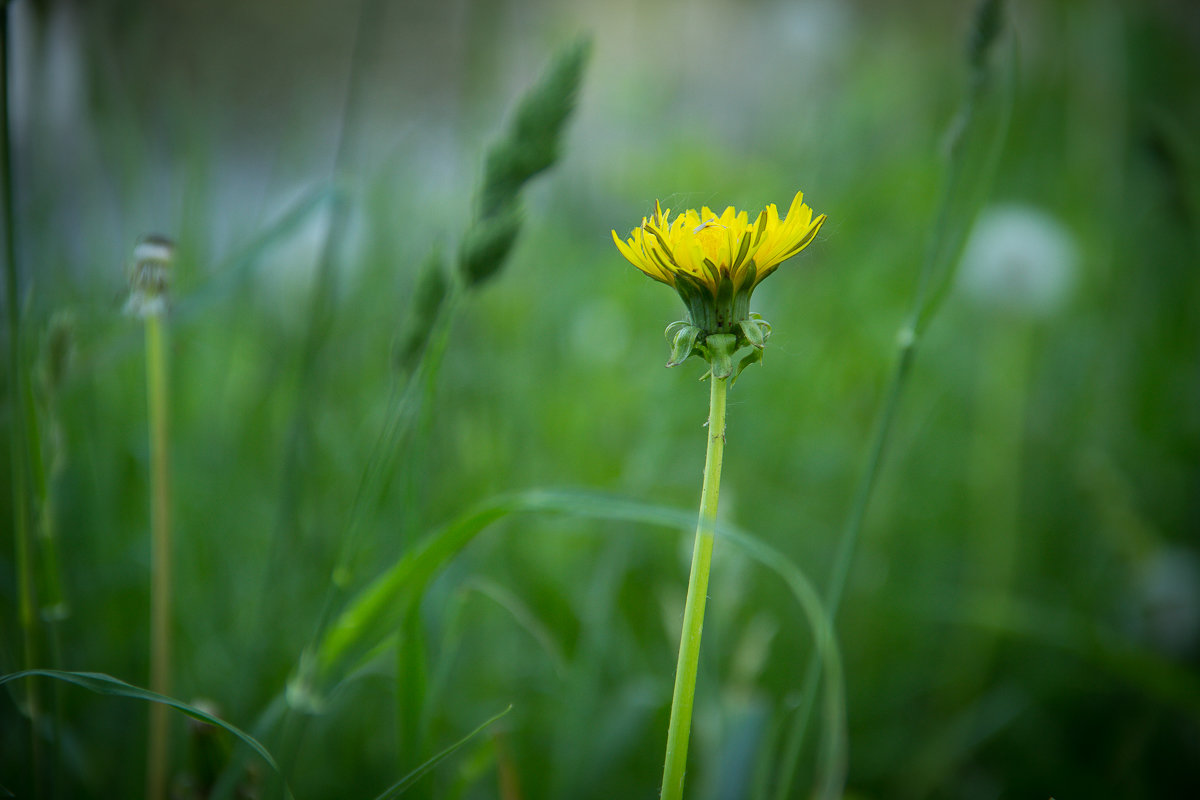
1022, 614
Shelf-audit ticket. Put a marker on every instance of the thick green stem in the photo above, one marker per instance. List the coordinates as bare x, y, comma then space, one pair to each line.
679, 730
160, 555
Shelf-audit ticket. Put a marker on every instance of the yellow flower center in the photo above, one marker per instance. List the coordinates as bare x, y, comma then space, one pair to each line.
712, 238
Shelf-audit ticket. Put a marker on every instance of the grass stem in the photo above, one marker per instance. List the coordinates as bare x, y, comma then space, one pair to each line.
160, 550
679, 729
978, 136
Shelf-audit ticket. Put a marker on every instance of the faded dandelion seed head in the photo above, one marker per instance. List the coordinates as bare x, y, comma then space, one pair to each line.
150, 276
1019, 259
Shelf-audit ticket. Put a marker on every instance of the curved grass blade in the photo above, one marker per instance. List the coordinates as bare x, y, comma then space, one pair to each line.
523, 616
370, 622
833, 759
239, 267
107, 685
380, 609
402, 785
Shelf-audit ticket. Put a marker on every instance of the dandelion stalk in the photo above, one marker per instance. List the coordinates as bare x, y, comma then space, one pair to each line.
148, 300
679, 728
160, 547
714, 262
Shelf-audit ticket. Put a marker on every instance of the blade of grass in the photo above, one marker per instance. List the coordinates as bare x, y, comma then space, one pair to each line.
523, 615
320, 320
107, 685
370, 623
321, 306
530, 147
53, 607
233, 273
402, 785
833, 758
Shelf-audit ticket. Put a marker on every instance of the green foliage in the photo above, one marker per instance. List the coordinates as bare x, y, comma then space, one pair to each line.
108, 685
363, 573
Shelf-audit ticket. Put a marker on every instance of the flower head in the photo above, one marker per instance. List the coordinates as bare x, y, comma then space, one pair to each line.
150, 276
715, 261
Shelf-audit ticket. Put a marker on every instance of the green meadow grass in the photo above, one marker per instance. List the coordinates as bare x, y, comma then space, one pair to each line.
432, 486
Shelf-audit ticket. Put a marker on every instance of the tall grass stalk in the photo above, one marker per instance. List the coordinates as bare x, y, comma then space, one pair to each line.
158, 746
320, 318
322, 308
20, 408
47, 469
973, 147
528, 148
679, 728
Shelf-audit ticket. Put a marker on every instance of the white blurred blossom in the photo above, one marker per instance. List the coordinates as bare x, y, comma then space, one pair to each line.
1168, 593
1019, 258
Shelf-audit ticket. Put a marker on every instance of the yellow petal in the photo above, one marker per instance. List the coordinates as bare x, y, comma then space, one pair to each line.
645, 265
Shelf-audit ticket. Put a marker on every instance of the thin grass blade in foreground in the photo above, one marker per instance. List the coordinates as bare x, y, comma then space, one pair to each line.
369, 624
53, 605
402, 785
106, 684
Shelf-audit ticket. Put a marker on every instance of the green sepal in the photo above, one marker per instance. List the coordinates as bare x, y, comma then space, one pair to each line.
755, 356
682, 336
718, 349
696, 298
753, 333
726, 314
675, 327
763, 324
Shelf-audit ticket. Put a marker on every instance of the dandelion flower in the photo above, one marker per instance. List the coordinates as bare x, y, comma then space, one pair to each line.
714, 261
